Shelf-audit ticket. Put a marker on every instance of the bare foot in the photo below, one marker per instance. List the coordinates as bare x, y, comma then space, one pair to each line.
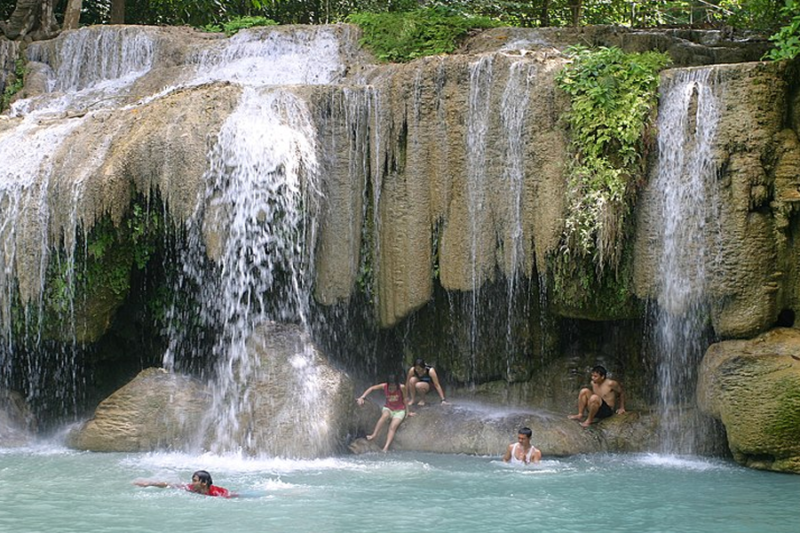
575, 417
385, 450
586, 424
370, 437
421, 403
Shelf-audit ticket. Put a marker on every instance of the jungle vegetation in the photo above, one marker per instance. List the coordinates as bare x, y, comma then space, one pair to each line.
779, 18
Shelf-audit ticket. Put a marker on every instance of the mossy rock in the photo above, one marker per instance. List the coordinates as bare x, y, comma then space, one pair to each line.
753, 387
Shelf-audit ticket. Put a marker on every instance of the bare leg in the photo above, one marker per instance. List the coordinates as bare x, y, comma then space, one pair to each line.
379, 424
413, 383
594, 405
583, 401
392, 430
422, 388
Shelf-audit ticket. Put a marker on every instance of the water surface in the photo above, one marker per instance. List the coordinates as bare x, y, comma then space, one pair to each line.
50, 489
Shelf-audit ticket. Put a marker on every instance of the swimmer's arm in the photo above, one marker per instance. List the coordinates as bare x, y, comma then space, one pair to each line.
536, 456
159, 484
360, 399
507, 456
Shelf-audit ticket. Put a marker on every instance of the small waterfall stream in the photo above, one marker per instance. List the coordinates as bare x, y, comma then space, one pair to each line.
685, 184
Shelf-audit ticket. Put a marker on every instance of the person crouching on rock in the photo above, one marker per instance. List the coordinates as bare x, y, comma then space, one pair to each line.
394, 408
201, 484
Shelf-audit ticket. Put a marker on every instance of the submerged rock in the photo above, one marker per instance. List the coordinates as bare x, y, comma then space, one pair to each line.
753, 387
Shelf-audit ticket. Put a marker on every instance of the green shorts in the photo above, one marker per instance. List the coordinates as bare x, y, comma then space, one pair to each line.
400, 413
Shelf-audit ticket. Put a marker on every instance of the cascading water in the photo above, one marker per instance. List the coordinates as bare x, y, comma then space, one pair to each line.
514, 104
259, 204
480, 85
260, 209
685, 187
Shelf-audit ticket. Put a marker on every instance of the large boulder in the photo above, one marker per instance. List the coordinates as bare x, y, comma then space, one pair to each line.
482, 429
291, 401
753, 387
157, 410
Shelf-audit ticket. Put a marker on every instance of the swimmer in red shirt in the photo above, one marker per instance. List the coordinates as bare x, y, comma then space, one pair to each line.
201, 484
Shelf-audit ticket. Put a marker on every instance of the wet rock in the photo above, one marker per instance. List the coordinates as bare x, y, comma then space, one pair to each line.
157, 410
289, 401
753, 387
17, 423
480, 429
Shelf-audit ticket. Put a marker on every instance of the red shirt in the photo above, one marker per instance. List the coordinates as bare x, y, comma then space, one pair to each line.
213, 490
394, 399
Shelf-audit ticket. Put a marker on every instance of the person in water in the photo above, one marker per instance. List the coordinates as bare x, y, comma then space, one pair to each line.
394, 408
201, 484
522, 451
420, 379
600, 401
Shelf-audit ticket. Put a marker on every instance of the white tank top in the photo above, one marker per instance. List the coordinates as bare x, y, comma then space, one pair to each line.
528, 456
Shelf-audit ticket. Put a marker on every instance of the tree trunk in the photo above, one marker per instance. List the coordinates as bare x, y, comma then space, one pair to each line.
544, 18
32, 18
117, 11
576, 7
72, 15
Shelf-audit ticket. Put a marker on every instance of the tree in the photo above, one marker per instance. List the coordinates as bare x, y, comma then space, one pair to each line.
72, 15
34, 18
117, 11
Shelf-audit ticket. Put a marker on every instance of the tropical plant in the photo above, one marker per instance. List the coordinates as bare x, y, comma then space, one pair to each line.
613, 98
787, 39
405, 36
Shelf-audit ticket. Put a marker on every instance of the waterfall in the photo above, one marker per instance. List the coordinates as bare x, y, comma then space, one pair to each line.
480, 86
256, 221
268, 56
513, 108
685, 186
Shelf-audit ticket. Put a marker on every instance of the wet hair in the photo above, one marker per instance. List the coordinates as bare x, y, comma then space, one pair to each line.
391, 379
203, 477
526, 431
420, 362
600, 370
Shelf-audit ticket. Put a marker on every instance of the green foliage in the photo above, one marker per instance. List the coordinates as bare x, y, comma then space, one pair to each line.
239, 23
401, 37
98, 272
15, 86
787, 39
751, 14
613, 100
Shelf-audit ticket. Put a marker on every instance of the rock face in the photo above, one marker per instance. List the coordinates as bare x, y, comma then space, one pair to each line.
750, 256
158, 410
753, 387
17, 424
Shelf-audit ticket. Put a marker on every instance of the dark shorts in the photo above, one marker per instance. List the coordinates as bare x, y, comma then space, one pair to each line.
604, 412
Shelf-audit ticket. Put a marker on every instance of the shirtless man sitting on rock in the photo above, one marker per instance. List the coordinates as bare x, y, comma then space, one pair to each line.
599, 402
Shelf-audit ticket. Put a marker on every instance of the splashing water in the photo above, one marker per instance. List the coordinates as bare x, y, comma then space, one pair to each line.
685, 182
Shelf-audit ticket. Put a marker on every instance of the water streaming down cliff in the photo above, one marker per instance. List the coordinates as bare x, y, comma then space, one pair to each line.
685, 181
260, 204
